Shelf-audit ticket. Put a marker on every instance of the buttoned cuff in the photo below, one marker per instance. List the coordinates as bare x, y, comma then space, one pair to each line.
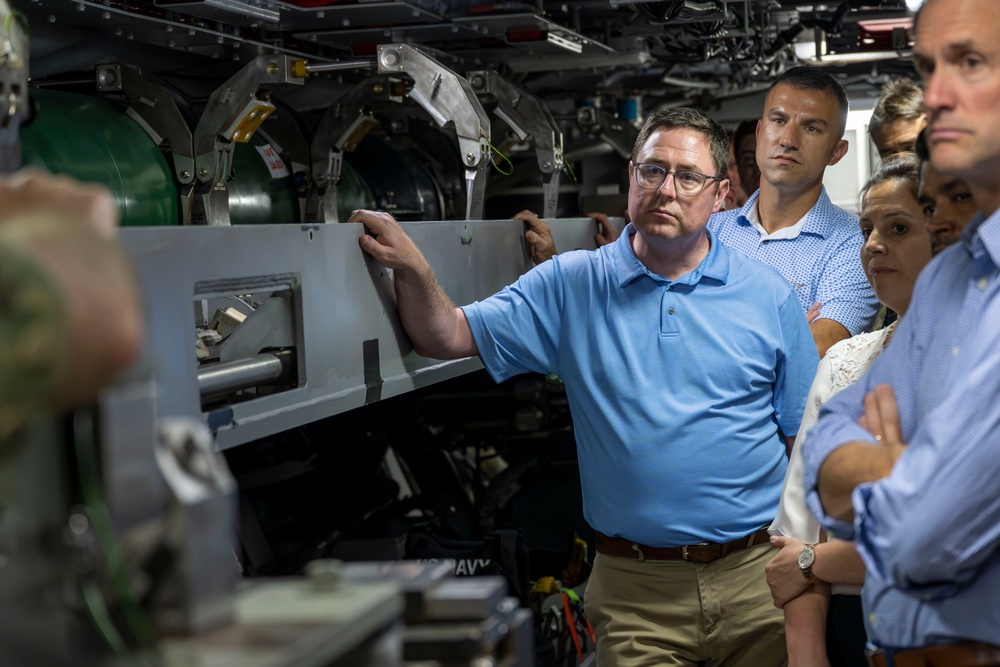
823, 439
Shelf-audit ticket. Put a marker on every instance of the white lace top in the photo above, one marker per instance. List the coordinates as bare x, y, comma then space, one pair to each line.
842, 366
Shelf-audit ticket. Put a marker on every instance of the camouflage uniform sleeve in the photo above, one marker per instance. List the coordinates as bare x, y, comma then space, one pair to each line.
33, 326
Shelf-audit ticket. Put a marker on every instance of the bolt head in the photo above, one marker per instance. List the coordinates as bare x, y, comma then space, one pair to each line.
107, 77
470, 157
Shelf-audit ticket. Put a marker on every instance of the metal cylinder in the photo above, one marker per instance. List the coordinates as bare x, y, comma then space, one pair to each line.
262, 190
244, 373
94, 141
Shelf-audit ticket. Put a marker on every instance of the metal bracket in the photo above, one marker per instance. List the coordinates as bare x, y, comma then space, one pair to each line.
527, 116
449, 99
343, 126
234, 112
614, 131
154, 110
13, 87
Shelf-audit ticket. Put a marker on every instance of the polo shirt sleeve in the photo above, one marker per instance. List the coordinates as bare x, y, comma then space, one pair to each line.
796, 366
844, 291
518, 329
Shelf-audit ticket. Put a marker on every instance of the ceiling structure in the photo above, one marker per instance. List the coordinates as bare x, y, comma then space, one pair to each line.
666, 52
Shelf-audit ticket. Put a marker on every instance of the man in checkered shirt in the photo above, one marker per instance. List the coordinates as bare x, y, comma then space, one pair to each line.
790, 222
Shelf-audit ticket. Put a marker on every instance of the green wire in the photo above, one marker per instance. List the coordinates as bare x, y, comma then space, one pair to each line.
569, 170
100, 519
98, 611
10, 19
506, 159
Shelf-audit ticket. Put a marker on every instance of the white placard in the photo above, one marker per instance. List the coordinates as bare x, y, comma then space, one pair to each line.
273, 161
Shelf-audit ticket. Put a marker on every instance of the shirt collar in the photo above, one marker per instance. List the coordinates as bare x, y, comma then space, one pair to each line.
627, 267
817, 220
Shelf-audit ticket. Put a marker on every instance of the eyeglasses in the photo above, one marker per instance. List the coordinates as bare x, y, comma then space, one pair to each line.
687, 183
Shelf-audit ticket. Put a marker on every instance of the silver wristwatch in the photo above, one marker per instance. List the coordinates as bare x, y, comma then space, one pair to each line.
806, 559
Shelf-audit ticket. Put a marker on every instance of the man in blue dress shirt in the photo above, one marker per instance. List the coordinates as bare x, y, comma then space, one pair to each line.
790, 222
685, 365
919, 487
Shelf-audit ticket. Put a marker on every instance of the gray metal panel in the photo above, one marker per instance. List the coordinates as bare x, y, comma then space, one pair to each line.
109, 20
344, 301
338, 17
231, 11
295, 623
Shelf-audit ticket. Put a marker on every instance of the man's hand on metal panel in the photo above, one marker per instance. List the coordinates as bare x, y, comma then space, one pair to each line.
387, 242
537, 237
606, 232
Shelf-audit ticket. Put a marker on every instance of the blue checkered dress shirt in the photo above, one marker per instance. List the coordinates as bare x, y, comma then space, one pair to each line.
822, 262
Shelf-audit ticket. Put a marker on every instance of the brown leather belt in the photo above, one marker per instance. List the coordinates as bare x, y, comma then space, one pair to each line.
966, 654
696, 553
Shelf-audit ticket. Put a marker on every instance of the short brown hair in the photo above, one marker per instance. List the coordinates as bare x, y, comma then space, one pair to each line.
688, 118
900, 99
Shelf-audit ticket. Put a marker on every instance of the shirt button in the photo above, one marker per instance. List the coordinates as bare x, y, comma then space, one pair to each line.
982, 283
871, 620
954, 351
670, 310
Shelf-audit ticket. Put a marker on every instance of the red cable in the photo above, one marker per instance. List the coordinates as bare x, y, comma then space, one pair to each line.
571, 622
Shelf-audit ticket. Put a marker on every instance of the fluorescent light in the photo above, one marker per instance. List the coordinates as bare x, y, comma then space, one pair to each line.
858, 57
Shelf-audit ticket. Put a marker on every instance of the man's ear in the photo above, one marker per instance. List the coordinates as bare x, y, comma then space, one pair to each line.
839, 152
720, 195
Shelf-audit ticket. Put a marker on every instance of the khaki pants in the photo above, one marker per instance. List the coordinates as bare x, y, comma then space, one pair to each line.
672, 612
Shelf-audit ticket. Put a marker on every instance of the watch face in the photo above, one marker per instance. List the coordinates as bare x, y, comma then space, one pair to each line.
806, 558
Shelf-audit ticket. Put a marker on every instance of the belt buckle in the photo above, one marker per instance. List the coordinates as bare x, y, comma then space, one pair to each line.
686, 555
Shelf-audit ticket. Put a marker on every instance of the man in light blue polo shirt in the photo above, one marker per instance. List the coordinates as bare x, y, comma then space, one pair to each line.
685, 365
790, 222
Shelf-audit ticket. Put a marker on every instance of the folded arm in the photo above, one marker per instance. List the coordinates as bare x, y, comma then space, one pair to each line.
860, 462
